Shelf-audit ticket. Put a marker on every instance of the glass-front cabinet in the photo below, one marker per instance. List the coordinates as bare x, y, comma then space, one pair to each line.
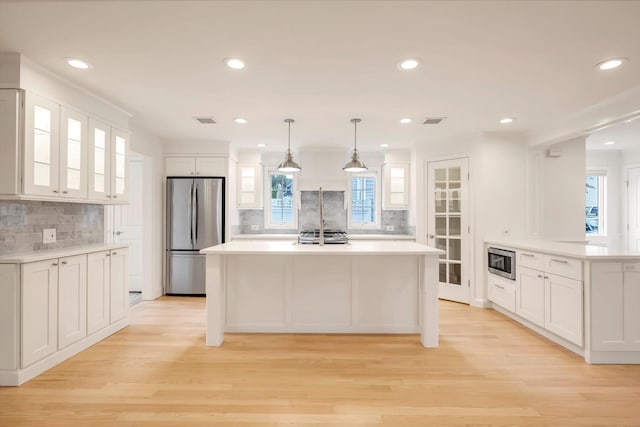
73, 154
99, 160
41, 167
396, 186
119, 160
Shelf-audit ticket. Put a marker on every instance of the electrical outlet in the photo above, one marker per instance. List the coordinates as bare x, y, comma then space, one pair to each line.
390, 227
255, 227
49, 235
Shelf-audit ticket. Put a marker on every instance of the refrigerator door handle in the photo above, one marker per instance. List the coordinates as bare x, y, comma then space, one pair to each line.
196, 211
190, 214
194, 214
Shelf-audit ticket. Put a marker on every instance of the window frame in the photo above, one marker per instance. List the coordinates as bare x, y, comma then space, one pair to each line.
268, 224
377, 194
602, 201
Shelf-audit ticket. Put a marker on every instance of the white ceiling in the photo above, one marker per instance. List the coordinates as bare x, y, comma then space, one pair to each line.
323, 63
626, 135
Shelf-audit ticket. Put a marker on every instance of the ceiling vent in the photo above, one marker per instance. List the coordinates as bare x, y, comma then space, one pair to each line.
206, 120
433, 120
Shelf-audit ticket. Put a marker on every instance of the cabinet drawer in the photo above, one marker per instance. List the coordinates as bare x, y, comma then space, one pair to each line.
529, 259
502, 292
565, 267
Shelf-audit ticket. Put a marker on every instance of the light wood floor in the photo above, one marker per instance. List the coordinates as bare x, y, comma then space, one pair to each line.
488, 371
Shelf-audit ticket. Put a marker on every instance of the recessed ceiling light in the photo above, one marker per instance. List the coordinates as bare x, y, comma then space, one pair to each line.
409, 63
235, 63
77, 63
506, 120
609, 143
240, 120
262, 145
384, 145
610, 64
405, 121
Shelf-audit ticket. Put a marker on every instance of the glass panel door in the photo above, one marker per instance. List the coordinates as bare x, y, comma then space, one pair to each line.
447, 225
73, 154
99, 171
41, 166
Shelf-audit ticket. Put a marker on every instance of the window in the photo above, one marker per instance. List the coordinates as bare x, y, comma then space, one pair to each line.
595, 188
281, 210
364, 204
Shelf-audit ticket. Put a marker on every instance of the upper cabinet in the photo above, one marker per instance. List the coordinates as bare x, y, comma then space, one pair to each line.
202, 166
67, 154
396, 186
249, 185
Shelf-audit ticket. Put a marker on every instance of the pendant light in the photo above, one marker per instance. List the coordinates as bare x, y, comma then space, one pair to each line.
289, 165
355, 165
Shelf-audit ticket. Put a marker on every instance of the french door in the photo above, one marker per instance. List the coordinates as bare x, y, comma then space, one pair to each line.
447, 224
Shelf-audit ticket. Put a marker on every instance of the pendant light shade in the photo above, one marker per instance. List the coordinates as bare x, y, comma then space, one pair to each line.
289, 165
355, 165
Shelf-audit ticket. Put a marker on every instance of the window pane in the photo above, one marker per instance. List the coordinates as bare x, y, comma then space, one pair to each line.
98, 180
73, 179
281, 199
42, 147
363, 200
592, 188
41, 174
455, 274
441, 225
74, 129
454, 174
120, 145
441, 174
120, 165
73, 154
120, 185
99, 160
443, 272
42, 119
100, 138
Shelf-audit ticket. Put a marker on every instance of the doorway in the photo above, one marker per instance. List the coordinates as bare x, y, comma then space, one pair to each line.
132, 224
448, 225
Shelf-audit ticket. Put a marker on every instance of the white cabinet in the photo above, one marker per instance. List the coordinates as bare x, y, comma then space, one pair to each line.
72, 300
323, 169
119, 161
395, 186
119, 297
530, 304
502, 291
41, 151
615, 298
98, 290
563, 307
39, 311
73, 154
10, 141
99, 160
249, 186
204, 166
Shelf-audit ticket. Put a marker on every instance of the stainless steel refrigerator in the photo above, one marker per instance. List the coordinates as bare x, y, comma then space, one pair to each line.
195, 220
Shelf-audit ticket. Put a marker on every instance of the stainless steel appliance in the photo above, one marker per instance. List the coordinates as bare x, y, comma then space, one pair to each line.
502, 262
312, 237
195, 220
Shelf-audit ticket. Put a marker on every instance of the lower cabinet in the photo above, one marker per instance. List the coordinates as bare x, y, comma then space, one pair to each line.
563, 308
72, 300
119, 288
98, 290
531, 295
39, 311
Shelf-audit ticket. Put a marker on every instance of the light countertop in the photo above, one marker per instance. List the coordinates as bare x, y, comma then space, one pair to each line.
572, 250
58, 253
293, 248
295, 237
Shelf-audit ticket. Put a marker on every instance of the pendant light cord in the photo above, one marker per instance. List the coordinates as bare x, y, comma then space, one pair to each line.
289, 143
355, 135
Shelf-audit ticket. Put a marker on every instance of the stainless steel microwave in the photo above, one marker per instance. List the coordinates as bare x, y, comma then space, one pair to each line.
502, 262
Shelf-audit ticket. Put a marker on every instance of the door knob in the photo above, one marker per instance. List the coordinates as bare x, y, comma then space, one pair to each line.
117, 233
431, 236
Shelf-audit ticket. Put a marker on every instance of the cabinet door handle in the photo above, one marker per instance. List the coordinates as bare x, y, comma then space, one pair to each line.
531, 255
107, 254
55, 264
65, 192
115, 197
540, 275
499, 287
115, 253
64, 262
546, 277
55, 191
561, 261
108, 196
431, 236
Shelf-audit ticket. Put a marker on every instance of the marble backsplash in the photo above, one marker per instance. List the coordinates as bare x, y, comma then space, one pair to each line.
335, 215
22, 222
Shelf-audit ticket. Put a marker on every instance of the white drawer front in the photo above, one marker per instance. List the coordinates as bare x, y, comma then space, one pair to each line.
502, 292
565, 267
529, 259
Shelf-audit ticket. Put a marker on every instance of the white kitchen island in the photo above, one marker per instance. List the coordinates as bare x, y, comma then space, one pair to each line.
360, 287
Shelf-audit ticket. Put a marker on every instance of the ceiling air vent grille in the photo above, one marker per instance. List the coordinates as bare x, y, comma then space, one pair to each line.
433, 120
205, 120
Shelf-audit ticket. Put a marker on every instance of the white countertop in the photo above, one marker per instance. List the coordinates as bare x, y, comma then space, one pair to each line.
292, 248
295, 237
573, 250
58, 253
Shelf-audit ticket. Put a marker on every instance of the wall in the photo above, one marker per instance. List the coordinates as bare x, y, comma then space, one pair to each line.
561, 190
611, 162
22, 222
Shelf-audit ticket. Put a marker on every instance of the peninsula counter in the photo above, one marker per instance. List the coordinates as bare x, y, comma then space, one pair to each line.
360, 287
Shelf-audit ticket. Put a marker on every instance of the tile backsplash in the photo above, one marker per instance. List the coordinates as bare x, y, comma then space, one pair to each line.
22, 222
335, 215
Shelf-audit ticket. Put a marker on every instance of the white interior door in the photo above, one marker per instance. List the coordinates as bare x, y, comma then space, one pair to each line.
633, 195
128, 224
447, 224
